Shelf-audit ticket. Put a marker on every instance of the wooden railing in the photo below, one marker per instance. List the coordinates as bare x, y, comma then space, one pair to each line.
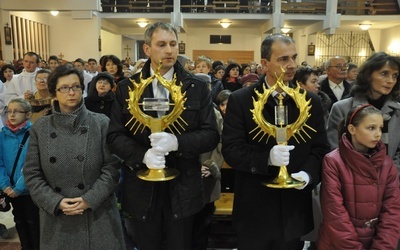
345, 7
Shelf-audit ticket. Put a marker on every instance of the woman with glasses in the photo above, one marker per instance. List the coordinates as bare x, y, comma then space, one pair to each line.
70, 172
378, 84
100, 97
41, 99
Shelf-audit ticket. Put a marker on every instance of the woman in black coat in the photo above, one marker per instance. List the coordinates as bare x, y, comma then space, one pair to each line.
231, 80
100, 97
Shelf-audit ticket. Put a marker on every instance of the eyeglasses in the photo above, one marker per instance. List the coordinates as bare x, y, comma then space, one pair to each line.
104, 82
66, 89
10, 111
339, 66
41, 79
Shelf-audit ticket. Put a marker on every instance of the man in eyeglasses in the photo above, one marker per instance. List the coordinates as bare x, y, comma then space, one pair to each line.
335, 85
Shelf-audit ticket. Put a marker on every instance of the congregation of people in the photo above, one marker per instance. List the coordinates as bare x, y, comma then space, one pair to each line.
75, 184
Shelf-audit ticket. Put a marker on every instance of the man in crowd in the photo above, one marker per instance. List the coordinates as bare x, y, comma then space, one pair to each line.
335, 84
164, 210
24, 83
264, 217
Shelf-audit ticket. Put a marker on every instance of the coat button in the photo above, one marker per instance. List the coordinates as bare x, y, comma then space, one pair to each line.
57, 189
81, 186
80, 158
83, 131
53, 135
175, 216
253, 170
53, 159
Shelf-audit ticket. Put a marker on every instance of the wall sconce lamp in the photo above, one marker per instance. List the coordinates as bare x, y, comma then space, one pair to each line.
54, 12
365, 26
142, 24
285, 30
225, 24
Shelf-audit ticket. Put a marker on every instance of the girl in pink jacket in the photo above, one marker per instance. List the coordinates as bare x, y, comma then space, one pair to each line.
360, 195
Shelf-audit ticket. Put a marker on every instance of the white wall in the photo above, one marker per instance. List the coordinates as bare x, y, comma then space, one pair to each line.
390, 41
111, 44
74, 37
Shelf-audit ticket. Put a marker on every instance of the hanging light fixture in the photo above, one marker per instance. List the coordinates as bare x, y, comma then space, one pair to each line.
54, 12
142, 24
225, 24
365, 26
285, 29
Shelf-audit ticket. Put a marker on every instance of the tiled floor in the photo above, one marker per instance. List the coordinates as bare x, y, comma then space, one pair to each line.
13, 242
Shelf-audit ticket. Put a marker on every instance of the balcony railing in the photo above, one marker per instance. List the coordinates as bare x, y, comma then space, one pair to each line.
345, 7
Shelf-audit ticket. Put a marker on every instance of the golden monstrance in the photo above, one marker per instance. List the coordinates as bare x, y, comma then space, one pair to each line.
141, 120
281, 130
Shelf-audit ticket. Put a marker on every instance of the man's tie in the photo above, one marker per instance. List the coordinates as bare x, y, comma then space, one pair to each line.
338, 92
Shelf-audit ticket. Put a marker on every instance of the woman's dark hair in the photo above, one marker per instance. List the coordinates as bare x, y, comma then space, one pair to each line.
60, 71
375, 62
115, 60
216, 63
6, 66
242, 67
225, 77
92, 91
303, 73
355, 116
218, 68
223, 96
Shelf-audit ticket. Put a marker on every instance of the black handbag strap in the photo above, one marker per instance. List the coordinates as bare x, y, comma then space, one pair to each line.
17, 157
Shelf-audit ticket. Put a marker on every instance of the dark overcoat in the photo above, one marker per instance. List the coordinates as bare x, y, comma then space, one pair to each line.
266, 213
200, 135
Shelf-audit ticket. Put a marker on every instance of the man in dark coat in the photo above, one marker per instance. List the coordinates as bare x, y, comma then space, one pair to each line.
263, 217
335, 85
166, 208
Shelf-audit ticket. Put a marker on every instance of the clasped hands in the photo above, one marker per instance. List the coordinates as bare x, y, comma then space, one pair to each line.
161, 144
279, 155
73, 206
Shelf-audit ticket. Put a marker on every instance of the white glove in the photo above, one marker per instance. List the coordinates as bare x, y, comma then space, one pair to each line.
279, 155
301, 176
154, 159
164, 142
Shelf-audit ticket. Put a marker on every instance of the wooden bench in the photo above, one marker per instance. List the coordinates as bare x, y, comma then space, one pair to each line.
224, 205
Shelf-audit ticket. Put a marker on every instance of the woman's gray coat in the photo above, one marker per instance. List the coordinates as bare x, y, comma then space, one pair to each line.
341, 108
68, 157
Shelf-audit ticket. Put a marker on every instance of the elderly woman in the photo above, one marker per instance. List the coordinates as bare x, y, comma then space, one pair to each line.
100, 97
71, 173
378, 84
41, 100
